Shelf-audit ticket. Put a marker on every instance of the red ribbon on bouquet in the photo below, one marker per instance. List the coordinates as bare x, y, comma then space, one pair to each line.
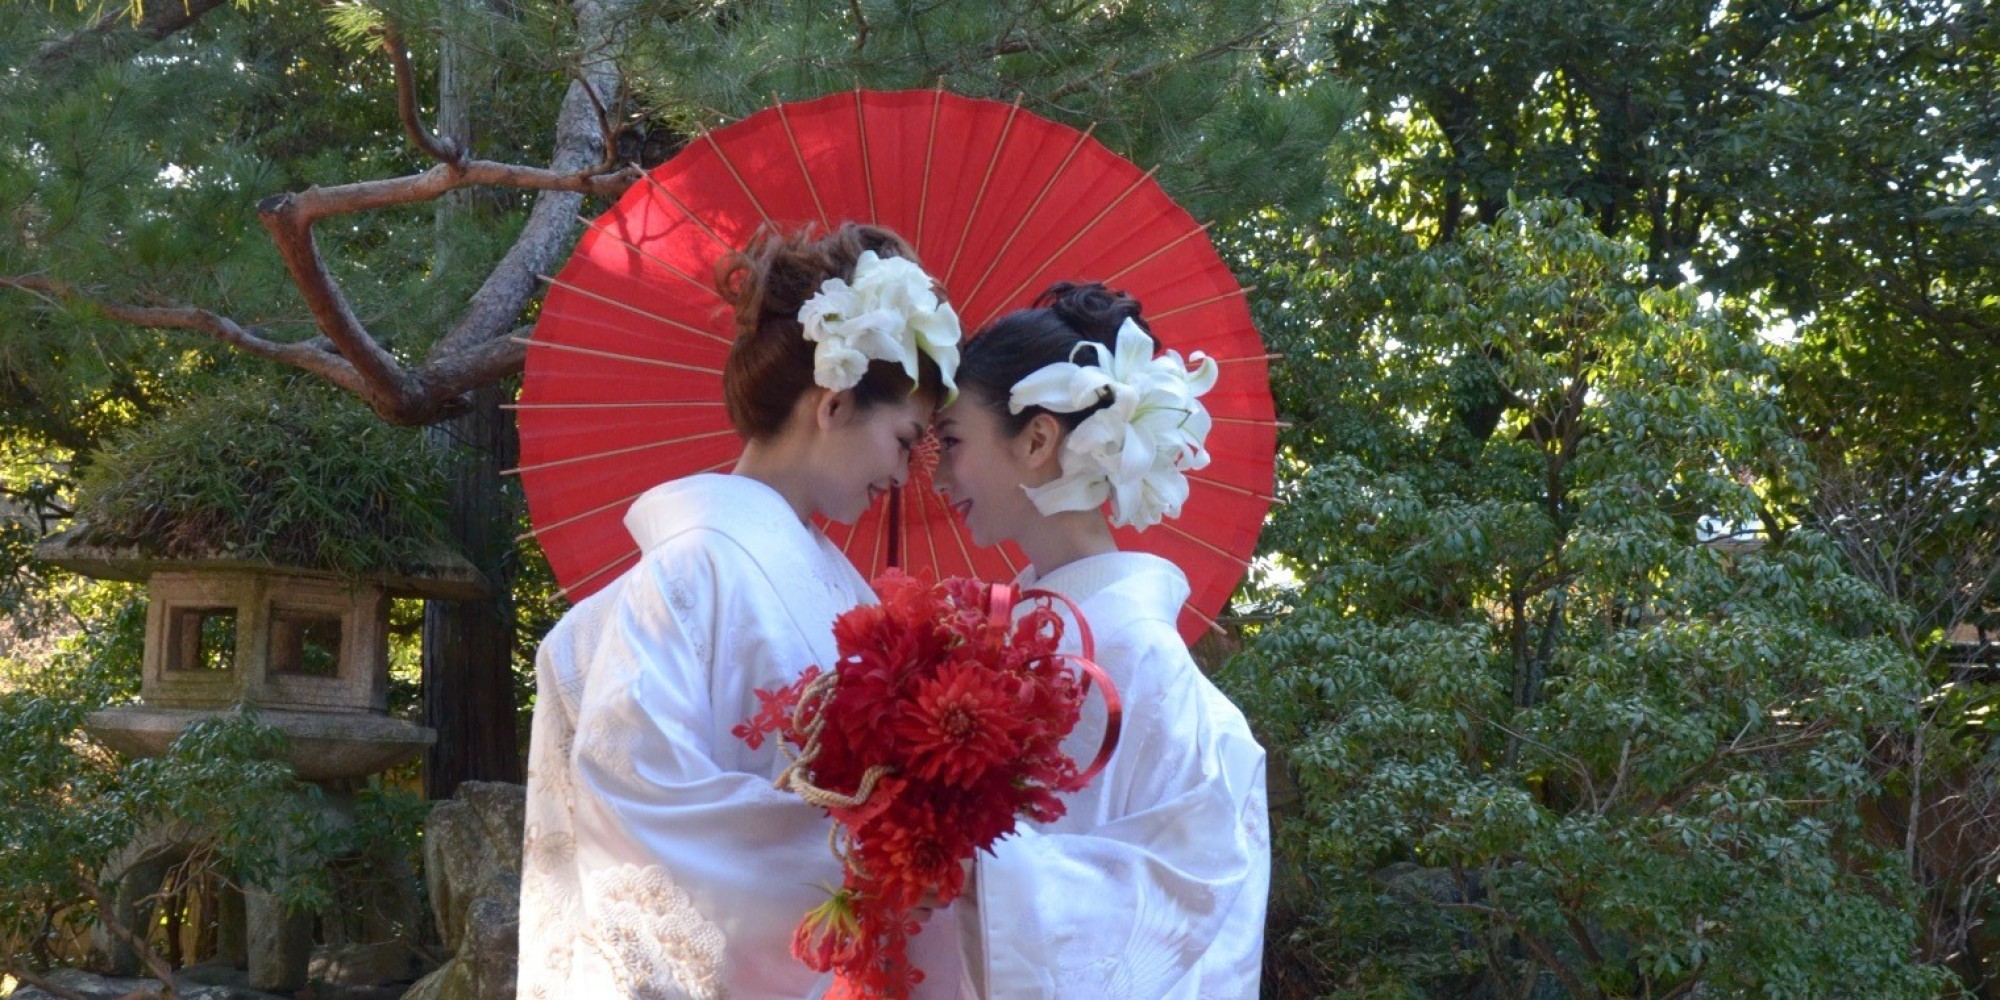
1000, 609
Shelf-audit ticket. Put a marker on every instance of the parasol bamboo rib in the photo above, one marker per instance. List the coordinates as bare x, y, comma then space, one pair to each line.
1079, 234
705, 286
1177, 310
614, 452
819, 207
688, 213
1034, 206
1006, 130
635, 310
613, 355
723, 158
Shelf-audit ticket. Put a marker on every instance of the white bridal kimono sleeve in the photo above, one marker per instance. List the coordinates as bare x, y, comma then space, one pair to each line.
658, 860
1154, 883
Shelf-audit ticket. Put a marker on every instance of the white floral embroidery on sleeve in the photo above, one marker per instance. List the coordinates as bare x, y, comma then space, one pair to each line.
648, 931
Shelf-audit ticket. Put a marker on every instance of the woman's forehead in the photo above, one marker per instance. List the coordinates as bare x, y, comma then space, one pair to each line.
952, 413
915, 412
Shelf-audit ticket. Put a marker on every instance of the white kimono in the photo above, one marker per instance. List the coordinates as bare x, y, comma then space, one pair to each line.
1154, 883
658, 861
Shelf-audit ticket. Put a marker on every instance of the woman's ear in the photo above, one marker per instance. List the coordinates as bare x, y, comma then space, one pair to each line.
831, 409
1039, 445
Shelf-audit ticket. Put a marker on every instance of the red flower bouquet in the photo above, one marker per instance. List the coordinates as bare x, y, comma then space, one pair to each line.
941, 725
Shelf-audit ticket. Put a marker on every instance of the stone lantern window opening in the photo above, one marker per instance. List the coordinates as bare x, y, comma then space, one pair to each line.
202, 639
305, 642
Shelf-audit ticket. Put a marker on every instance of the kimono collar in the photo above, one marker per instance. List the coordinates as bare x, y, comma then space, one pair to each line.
1140, 581
753, 514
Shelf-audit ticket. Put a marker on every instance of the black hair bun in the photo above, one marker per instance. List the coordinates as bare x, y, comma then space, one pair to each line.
1092, 310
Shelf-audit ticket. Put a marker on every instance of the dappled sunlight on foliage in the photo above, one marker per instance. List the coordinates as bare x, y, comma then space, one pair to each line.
1540, 722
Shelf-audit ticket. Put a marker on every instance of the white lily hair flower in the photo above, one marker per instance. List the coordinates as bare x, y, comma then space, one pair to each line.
1135, 452
890, 312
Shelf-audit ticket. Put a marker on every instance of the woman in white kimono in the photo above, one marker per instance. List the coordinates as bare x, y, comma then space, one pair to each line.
1154, 883
658, 860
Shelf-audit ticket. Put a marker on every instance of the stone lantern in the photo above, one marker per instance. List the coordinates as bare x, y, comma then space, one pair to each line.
308, 649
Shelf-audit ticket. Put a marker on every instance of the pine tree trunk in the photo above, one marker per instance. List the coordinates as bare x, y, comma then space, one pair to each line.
469, 645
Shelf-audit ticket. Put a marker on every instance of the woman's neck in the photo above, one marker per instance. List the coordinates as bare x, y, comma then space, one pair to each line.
1060, 539
765, 462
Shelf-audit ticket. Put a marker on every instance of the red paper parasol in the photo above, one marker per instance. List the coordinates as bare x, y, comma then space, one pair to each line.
623, 387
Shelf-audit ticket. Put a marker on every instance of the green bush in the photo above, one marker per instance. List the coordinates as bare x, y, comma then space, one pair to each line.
67, 805
288, 472
1549, 734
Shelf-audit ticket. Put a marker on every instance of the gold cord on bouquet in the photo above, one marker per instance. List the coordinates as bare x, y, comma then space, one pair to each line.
797, 773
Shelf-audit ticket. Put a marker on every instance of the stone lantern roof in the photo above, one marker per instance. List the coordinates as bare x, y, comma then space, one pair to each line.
436, 572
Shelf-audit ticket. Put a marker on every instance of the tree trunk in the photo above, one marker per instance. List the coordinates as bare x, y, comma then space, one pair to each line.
461, 75
469, 645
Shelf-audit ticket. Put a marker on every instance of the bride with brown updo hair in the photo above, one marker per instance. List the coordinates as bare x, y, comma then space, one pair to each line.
835, 462
659, 861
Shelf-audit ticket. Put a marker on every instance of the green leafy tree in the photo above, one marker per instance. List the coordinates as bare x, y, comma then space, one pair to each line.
1828, 166
1562, 719
1821, 175
1929, 539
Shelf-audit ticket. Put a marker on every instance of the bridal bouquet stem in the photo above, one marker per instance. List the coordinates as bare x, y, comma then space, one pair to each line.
941, 725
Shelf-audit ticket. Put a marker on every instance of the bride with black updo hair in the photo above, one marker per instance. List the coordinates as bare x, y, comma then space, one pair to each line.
1154, 882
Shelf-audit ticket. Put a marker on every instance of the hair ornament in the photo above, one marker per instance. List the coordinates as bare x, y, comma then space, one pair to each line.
1135, 452
889, 312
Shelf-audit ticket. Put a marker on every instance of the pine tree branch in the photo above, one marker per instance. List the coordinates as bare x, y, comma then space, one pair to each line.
545, 240
407, 397
315, 203
860, 24
442, 150
304, 355
38, 504
477, 350
1120, 81
19, 396
53, 989
155, 22
387, 387
448, 375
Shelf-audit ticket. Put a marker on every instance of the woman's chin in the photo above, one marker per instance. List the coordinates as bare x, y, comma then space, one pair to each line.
848, 516
980, 536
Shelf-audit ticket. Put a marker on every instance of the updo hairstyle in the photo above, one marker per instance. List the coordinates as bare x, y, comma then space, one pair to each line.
770, 364
1022, 342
